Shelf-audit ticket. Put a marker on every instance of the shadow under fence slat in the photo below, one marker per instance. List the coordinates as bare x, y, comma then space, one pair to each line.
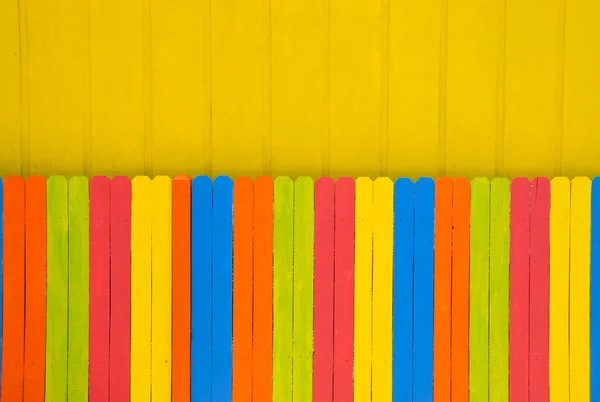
222, 289
181, 202
13, 325
479, 286
461, 197
560, 223
35, 288
499, 289
324, 289
283, 287
539, 264
243, 228
162, 276
201, 282
99, 289
383, 279
519, 290
304, 224
141, 285
79, 290
343, 335
423, 290
595, 292
120, 287
363, 303
404, 194
262, 349
442, 289
57, 311
579, 295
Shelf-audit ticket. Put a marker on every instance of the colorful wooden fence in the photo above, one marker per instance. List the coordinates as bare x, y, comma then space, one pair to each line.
291, 291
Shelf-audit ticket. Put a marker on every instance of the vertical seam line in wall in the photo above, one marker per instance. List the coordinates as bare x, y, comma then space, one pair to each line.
147, 85
443, 63
24, 89
500, 88
385, 58
326, 88
87, 131
207, 88
560, 84
267, 94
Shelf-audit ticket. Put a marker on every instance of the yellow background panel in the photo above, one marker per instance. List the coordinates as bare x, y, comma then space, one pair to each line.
316, 87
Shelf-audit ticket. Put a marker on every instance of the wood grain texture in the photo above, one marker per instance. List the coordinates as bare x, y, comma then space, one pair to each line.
120, 287
383, 279
13, 292
499, 289
324, 298
304, 223
461, 203
442, 290
100, 308
57, 307
479, 285
402, 320
539, 264
262, 349
363, 279
141, 289
343, 336
162, 277
35, 289
560, 223
243, 234
519, 289
181, 292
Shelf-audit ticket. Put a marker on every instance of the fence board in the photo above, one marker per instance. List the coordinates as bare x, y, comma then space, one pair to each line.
35, 288
595, 292
363, 275
402, 359
99, 289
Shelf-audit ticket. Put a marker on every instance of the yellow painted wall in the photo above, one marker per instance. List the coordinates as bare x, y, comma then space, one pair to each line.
291, 87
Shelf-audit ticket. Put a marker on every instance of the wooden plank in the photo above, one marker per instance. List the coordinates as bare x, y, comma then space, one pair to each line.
162, 276
141, 285
324, 289
201, 282
402, 359
262, 351
560, 223
579, 295
343, 336
304, 226
180, 352
499, 289
423, 290
461, 207
222, 289
519, 290
539, 264
57, 305
283, 287
363, 276
79, 289
479, 286
442, 289
595, 292
99, 289
1, 270
35, 288
383, 279
243, 228
13, 282
120, 287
